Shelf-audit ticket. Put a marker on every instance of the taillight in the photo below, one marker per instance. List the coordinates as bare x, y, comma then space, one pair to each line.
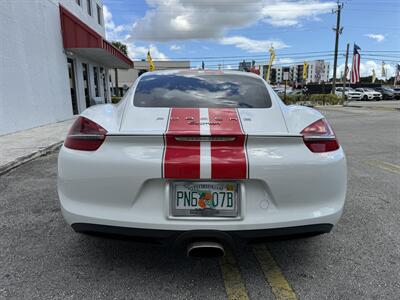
319, 137
85, 135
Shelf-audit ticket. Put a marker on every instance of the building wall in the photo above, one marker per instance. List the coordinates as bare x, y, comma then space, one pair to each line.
296, 72
34, 84
81, 12
312, 72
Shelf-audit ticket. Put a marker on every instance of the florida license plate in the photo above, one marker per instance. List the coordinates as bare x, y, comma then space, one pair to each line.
208, 199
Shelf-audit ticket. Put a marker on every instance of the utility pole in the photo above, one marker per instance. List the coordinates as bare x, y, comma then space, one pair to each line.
338, 31
345, 73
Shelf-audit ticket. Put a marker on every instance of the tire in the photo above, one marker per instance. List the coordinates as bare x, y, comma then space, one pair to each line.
365, 98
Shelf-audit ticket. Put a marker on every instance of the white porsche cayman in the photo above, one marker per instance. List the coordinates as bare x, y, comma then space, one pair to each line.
198, 156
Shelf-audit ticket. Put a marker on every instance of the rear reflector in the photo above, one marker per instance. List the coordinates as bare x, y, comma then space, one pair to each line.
319, 137
85, 135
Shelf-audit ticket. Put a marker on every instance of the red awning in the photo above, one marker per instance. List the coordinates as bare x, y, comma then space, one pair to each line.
84, 41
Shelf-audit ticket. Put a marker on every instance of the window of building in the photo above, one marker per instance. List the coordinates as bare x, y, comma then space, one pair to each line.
99, 13
89, 7
78, 2
96, 82
103, 78
72, 86
85, 71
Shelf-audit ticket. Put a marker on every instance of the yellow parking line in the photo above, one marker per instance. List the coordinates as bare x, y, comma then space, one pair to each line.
273, 274
234, 286
385, 166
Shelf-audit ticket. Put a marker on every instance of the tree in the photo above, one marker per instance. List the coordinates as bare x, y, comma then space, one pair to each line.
124, 49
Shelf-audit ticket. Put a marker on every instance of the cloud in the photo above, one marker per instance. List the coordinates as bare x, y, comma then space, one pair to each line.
139, 52
167, 20
377, 37
366, 68
290, 13
113, 32
250, 45
284, 61
121, 33
174, 47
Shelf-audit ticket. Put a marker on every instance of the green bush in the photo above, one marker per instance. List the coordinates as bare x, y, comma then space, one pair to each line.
115, 99
293, 99
324, 99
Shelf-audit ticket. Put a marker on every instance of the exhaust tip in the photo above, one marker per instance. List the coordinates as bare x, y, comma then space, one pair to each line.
205, 249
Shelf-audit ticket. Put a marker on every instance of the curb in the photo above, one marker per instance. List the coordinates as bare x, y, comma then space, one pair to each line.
375, 107
31, 156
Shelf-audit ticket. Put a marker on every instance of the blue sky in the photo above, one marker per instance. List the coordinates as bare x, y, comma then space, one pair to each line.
236, 29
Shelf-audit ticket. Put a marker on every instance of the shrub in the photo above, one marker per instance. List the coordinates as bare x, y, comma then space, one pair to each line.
314, 99
324, 99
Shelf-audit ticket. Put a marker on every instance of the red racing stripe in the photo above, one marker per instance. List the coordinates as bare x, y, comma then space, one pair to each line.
182, 158
228, 158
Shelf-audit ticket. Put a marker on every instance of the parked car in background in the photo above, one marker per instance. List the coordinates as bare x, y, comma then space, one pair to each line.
349, 93
295, 93
396, 92
369, 94
387, 94
281, 90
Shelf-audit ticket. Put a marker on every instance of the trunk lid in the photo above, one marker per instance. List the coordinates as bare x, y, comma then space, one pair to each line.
187, 121
204, 143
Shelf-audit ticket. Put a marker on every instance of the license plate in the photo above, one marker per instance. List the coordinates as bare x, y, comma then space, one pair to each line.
208, 199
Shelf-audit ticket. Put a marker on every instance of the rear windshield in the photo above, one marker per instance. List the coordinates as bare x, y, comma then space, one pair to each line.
201, 90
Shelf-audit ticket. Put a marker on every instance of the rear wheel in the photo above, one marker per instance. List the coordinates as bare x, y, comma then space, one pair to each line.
365, 98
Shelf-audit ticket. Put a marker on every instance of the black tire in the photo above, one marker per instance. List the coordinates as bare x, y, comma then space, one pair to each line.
365, 98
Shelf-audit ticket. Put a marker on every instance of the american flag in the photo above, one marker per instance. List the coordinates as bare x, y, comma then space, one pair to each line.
355, 70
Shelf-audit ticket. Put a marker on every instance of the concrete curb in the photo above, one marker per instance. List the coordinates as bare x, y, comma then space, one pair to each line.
375, 107
31, 156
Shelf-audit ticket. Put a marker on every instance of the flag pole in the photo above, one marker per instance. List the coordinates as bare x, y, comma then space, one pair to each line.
345, 74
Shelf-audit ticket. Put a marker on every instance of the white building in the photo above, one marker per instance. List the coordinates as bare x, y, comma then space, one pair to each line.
54, 61
318, 71
276, 74
127, 77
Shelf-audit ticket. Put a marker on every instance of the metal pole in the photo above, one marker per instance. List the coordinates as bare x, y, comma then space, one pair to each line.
338, 31
345, 73
284, 97
116, 82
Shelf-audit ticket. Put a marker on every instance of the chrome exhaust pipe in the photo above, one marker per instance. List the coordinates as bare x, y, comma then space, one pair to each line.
205, 249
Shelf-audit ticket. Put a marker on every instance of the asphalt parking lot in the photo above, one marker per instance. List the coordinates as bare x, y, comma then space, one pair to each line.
42, 258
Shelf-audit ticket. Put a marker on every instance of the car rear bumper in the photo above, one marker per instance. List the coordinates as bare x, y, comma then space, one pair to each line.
273, 221
180, 237
288, 187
